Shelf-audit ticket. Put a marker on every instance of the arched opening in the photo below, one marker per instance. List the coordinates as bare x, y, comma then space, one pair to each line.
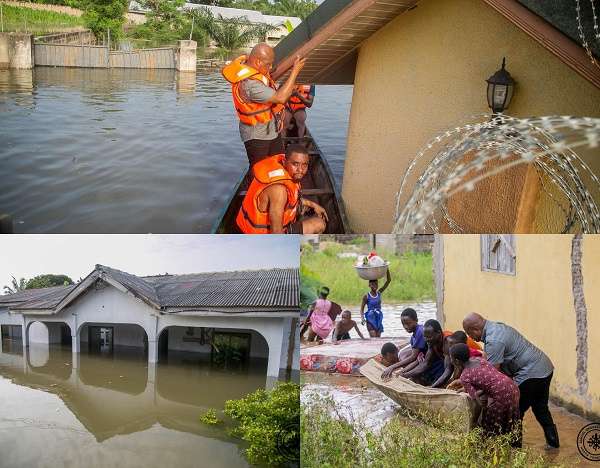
49, 347
233, 360
113, 355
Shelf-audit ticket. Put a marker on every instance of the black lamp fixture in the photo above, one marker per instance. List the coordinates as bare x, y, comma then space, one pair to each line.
500, 89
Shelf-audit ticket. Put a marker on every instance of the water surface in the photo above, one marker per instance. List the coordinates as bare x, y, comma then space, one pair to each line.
116, 410
130, 151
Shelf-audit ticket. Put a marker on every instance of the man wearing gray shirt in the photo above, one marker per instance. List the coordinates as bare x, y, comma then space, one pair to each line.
518, 358
258, 101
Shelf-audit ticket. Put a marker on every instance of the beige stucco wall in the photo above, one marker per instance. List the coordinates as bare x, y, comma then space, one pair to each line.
425, 72
538, 301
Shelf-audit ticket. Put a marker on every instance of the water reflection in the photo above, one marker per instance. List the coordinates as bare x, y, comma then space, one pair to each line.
127, 150
119, 394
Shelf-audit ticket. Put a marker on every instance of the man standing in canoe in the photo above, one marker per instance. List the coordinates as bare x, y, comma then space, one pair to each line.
302, 98
273, 204
258, 102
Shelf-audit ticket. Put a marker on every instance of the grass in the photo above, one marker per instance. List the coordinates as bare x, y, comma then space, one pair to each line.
327, 441
412, 275
17, 19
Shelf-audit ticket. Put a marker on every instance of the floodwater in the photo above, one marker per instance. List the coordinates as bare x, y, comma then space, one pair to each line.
359, 402
116, 410
130, 151
392, 325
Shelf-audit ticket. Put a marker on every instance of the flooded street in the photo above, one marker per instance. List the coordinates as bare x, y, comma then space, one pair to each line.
131, 151
115, 409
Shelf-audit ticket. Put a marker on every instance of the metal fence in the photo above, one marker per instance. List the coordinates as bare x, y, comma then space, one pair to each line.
163, 57
63, 55
70, 50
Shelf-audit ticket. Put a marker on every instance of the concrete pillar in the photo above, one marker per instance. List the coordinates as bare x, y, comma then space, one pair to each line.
0, 339
185, 56
25, 335
151, 373
75, 357
75, 343
152, 352
275, 341
16, 50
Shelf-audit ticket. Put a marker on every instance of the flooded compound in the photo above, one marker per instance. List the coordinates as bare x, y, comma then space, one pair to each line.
115, 409
131, 151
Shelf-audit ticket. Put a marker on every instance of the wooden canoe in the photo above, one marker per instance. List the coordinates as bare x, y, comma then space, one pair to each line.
317, 185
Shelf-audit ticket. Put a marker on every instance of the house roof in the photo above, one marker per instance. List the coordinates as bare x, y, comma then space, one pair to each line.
331, 35
252, 289
252, 16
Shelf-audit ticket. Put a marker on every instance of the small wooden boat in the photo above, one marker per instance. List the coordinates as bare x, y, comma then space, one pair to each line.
317, 185
429, 404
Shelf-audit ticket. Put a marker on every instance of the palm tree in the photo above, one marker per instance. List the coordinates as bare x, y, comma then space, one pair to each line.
230, 33
17, 286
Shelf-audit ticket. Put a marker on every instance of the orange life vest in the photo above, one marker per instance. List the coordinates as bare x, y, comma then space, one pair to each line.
250, 219
294, 103
249, 112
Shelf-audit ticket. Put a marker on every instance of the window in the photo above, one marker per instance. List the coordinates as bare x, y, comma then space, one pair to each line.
498, 253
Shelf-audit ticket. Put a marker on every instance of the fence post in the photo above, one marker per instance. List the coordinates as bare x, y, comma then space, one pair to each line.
1, 18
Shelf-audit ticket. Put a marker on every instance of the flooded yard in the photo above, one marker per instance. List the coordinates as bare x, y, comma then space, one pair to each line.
116, 409
131, 151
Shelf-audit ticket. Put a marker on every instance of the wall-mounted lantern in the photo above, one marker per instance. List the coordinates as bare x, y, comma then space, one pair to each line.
500, 89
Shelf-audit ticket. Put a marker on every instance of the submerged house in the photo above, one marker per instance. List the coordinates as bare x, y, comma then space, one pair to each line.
419, 68
254, 311
548, 288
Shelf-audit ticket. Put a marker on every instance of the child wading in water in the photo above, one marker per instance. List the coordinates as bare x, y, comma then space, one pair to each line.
374, 317
343, 327
320, 321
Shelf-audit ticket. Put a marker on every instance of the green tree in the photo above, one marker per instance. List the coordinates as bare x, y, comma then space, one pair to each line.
234, 33
47, 281
297, 8
16, 286
163, 14
102, 16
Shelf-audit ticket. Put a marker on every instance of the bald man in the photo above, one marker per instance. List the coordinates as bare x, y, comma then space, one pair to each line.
259, 102
518, 358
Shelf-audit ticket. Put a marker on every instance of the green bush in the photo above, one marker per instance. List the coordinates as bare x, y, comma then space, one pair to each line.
269, 421
101, 16
210, 418
327, 441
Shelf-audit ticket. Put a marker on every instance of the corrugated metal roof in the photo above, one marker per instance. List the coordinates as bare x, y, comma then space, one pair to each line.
36, 296
263, 289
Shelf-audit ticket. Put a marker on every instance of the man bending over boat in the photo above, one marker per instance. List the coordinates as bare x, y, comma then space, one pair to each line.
273, 204
258, 102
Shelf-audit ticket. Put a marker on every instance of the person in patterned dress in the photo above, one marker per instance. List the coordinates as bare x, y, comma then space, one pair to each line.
496, 393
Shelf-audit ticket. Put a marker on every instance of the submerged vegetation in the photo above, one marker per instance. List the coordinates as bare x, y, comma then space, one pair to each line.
20, 19
210, 418
269, 421
412, 275
329, 441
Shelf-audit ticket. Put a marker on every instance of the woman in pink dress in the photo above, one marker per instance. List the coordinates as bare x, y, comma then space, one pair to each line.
320, 321
497, 393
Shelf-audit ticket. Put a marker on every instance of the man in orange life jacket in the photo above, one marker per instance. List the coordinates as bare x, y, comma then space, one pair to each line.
302, 97
273, 203
258, 102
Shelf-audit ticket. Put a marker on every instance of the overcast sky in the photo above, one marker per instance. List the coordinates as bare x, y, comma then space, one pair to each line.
26, 256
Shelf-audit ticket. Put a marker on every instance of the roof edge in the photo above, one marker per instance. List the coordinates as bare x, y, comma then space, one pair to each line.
549, 37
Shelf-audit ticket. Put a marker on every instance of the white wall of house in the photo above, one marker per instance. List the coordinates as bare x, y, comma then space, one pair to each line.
111, 306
